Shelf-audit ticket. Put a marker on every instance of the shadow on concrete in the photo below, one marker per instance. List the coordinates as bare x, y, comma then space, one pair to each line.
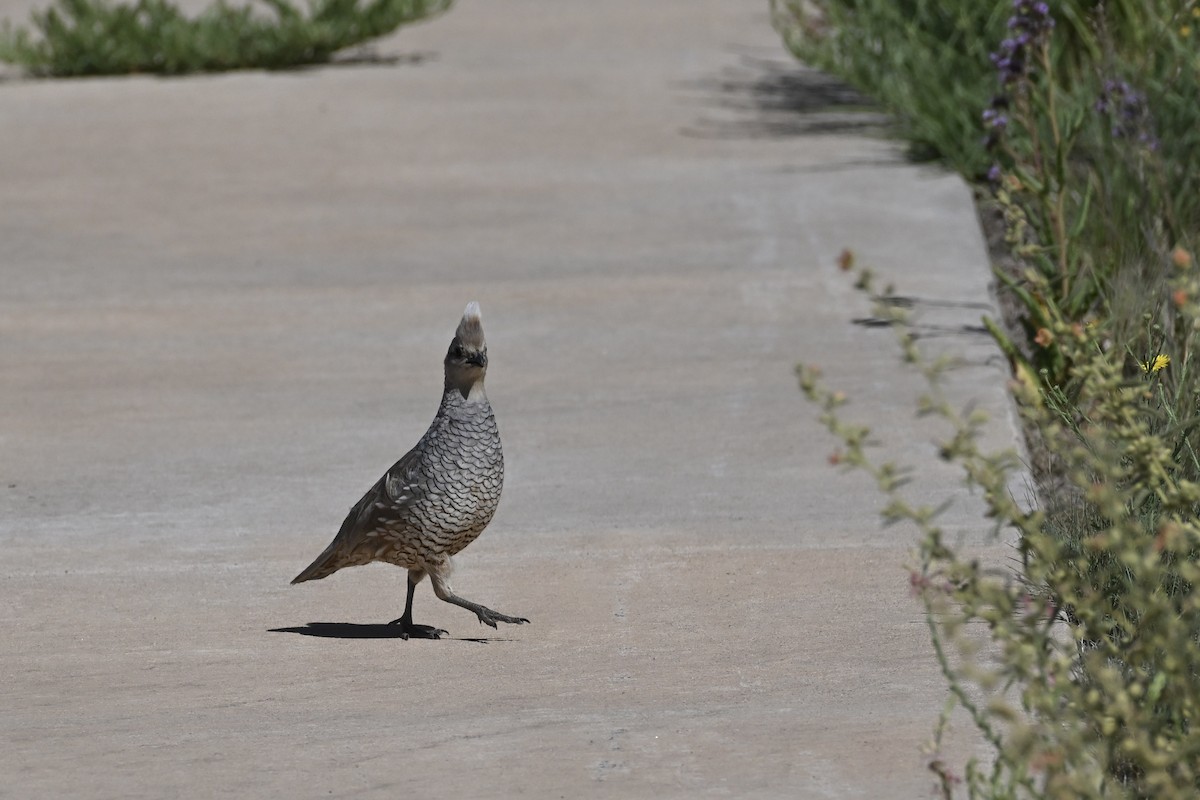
360, 57
354, 630
921, 328
762, 97
368, 57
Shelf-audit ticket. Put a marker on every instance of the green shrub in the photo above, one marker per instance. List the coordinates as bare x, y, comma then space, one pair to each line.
926, 61
1089, 130
1096, 167
93, 37
1088, 685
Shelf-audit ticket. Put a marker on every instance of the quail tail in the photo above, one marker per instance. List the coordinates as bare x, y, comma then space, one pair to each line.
325, 565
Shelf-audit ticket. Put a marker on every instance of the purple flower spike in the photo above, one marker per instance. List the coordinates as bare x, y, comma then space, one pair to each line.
1127, 114
1029, 24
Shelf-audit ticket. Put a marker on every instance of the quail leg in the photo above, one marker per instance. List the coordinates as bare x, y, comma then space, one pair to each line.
486, 615
408, 628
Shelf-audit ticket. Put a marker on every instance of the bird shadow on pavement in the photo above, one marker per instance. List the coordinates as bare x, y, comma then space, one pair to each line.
354, 630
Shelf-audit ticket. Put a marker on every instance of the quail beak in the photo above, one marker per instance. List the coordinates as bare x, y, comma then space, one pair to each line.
478, 359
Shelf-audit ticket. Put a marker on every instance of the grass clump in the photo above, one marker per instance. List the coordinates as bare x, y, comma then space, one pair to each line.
1087, 682
926, 62
1078, 121
95, 37
1097, 168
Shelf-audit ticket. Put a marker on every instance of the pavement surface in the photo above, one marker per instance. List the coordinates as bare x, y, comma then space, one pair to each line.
224, 304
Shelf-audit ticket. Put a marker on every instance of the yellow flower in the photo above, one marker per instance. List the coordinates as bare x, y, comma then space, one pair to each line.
1159, 362
1185, 31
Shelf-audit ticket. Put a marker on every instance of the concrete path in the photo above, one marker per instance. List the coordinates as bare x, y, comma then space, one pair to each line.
224, 305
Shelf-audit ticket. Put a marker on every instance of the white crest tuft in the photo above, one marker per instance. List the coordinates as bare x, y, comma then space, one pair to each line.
470, 330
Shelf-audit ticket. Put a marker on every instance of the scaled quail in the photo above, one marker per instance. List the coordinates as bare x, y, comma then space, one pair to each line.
439, 497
